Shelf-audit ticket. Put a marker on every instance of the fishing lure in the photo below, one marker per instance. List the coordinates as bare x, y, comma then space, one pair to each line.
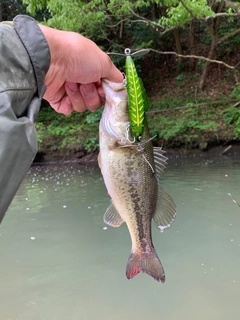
137, 97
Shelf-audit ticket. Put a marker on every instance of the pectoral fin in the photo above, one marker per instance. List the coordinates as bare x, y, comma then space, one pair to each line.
112, 217
165, 211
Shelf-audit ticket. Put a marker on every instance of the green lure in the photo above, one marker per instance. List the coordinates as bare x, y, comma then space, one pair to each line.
137, 98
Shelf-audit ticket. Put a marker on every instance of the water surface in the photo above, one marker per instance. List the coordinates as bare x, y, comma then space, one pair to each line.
59, 261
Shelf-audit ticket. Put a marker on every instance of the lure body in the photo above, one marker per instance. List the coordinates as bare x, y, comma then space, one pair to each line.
137, 98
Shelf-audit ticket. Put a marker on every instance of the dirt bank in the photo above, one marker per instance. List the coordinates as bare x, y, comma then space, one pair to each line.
228, 149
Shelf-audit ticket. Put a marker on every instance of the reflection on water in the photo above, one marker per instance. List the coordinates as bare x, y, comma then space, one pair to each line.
59, 261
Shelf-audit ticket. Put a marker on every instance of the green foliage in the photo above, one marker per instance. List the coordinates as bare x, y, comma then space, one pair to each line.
142, 36
104, 16
94, 117
57, 132
41, 132
236, 92
78, 15
91, 144
180, 12
169, 101
180, 78
113, 26
231, 117
188, 127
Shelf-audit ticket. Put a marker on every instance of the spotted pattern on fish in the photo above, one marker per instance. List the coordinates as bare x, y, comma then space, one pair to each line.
129, 174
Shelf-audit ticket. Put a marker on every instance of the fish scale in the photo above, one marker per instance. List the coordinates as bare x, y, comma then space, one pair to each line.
131, 175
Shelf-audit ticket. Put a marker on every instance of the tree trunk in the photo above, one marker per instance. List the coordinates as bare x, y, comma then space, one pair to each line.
121, 29
153, 11
211, 54
178, 46
192, 43
215, 40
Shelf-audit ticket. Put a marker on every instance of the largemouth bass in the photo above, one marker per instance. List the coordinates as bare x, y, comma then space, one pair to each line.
131, 174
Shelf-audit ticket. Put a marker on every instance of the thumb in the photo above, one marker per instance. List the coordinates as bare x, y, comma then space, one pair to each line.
110, 71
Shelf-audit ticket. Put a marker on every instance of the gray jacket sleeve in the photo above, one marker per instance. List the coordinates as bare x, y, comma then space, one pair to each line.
24, 61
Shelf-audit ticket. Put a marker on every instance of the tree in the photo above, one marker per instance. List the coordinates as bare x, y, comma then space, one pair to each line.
117, 24
10, 8
222, 11
185, 12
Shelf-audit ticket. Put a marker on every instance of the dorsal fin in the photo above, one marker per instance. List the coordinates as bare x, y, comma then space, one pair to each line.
165, 210
112, 217
160, 160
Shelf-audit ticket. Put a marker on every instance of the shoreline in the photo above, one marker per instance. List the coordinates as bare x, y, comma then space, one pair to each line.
91, 158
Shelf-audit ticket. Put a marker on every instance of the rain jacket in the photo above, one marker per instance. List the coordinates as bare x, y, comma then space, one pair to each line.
24, 61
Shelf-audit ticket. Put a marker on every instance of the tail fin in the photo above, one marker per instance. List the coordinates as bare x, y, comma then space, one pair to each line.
147, 263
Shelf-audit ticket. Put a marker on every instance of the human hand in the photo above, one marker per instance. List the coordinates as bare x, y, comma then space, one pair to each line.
74, 77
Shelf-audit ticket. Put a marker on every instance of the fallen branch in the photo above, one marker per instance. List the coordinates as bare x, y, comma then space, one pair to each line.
194, 57
194, 106
221, 14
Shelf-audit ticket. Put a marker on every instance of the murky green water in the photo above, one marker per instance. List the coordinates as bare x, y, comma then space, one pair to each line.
58, 262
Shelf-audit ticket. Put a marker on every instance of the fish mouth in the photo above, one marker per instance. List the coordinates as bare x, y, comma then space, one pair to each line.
117, 131
109, 129
115, 86
115, 118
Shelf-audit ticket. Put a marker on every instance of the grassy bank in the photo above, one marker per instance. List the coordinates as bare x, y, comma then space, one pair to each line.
196, 126
61, 136
176, 123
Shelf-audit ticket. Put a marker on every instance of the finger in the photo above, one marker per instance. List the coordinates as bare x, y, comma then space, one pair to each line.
100, 90
90, 96
75, 96
59, 102
110, 71
65, 106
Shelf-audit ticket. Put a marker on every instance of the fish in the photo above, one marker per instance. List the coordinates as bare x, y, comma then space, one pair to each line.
131, 172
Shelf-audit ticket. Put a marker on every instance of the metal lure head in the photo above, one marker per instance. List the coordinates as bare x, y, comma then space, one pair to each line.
128, 52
